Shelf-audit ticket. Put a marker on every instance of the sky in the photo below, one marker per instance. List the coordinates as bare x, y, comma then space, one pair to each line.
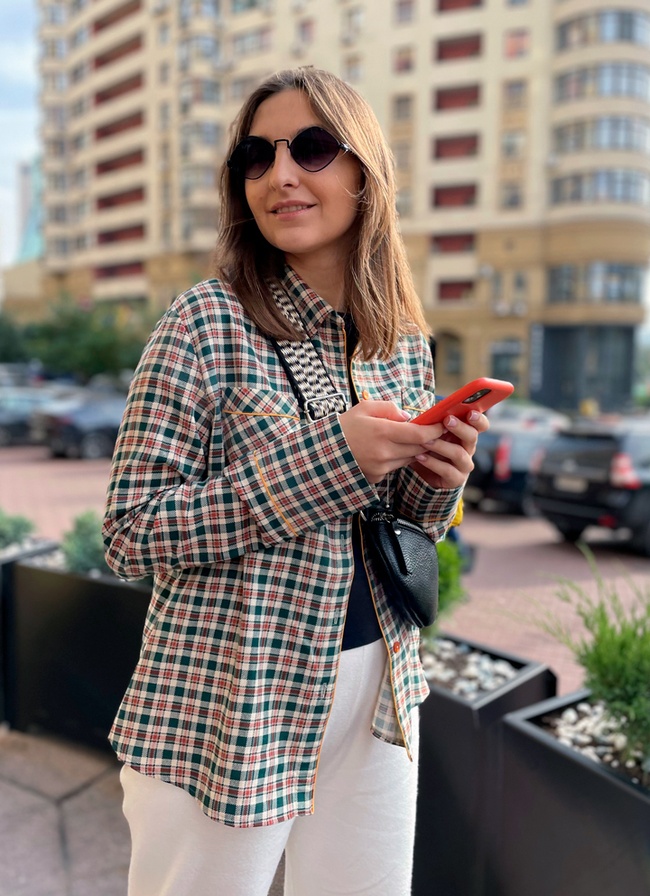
18, 112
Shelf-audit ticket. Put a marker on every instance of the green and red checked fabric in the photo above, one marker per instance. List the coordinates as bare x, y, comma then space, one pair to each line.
242, 511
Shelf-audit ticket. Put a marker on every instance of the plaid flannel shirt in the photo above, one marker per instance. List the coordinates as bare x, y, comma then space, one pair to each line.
242, 508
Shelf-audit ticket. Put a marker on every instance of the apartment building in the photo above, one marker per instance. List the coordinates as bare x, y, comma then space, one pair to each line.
521, 134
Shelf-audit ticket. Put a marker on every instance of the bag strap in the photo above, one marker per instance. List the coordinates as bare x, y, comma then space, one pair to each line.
310, 381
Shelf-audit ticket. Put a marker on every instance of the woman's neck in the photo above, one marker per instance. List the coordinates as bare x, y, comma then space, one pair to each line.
327, 281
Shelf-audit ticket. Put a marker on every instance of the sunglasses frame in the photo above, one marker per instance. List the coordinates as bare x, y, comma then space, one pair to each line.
237, 169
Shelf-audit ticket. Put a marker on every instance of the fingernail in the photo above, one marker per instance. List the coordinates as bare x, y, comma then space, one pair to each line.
405, 415
473, 416
452, 421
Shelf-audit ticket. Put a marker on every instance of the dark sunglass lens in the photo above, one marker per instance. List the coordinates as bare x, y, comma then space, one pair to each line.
252, 157
314, 149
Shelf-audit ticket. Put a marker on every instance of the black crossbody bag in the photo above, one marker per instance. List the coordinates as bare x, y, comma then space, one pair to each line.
404, 556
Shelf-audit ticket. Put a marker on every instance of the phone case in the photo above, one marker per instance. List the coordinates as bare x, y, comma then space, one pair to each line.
479, 394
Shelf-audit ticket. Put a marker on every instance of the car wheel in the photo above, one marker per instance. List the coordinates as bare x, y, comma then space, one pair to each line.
95, 445
570, 532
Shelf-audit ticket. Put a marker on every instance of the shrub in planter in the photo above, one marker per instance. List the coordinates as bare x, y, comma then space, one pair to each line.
13, 529
472, 687
76, 637
576, 805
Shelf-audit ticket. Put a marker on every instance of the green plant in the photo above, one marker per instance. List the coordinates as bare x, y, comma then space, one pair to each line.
450, 587
614, 652
83, 547
13, 529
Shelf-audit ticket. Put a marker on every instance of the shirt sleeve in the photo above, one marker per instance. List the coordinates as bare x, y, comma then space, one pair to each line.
164, 512
434, 509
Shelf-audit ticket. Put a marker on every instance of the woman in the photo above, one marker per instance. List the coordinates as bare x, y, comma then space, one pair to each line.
271, 653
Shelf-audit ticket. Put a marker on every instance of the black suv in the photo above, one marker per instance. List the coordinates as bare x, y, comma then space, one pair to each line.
597, 474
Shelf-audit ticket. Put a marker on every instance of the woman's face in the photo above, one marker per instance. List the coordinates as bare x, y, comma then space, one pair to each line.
307, 215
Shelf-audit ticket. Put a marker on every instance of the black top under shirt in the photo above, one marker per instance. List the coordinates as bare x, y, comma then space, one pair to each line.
361, 624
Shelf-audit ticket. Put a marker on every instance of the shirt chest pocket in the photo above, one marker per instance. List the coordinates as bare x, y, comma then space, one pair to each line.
253, 417
415, 401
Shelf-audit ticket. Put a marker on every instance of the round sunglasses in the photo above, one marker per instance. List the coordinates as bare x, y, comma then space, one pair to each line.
313, 149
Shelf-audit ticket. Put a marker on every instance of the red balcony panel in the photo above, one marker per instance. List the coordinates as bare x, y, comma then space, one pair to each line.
116, 15
456, 147
126, 269
455, 196
458, 47
128, 85
127, 160
454, 242
458, 97
122, 235
126, 197
124, 49
449, 5
135, 120
454, 289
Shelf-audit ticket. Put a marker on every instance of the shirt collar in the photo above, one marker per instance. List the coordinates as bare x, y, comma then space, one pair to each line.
313, 310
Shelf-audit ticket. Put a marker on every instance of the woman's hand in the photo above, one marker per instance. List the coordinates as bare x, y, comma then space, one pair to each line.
447, 462
381, 439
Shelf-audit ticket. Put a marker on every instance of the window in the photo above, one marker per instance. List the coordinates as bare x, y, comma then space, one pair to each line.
608, 79
404, 10
402, 153
352, 69
515, 94
124, 49
615, 283
457, 97
164, 71
121, 235
164, 116
255, 40
458, 48
404, 202
453, 242
403, 60
562, 284
117, 14
128, 269
456, 196
516, 43
455, 147
609, 132
403, 108
607, 185
512, 144
511, 195
608, 26
305, 31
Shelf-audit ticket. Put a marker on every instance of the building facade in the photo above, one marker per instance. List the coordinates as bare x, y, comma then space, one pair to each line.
521, 134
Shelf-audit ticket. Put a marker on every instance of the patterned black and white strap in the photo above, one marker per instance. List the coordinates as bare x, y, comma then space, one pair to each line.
317, 395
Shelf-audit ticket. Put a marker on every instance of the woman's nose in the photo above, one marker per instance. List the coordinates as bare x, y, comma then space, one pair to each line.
284, 170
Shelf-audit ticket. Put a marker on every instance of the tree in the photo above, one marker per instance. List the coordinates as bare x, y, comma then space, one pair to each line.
12, 343
80, 342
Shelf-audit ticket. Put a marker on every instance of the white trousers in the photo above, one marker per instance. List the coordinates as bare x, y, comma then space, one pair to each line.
358, 841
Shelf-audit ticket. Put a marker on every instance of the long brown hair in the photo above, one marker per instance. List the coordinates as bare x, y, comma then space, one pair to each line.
378, 283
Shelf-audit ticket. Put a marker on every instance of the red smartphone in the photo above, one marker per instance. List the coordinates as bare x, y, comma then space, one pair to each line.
478, 395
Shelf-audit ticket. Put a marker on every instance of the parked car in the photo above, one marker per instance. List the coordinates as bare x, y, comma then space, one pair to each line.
83, 427
597, 473
505, 453
17, 407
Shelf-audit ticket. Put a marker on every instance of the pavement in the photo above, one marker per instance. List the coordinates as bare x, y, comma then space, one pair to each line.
62, 832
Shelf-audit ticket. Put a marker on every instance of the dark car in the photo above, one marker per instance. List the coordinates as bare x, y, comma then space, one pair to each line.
85, 427
597, 473
505, 454
18, 404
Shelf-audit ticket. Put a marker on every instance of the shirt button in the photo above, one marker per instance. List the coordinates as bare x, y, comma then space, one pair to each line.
396, 647
365, 395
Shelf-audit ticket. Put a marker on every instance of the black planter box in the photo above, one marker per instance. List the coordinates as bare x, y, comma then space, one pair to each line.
570, 826
458, 789
72, 644
7, 563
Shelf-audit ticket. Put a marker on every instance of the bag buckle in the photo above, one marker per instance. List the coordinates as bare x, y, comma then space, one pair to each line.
311, 405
